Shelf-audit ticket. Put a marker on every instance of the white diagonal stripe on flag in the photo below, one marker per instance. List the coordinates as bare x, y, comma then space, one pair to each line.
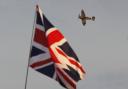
41, 47
39, 27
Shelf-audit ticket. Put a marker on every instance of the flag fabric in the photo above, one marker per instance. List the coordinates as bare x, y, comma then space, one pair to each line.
52, 55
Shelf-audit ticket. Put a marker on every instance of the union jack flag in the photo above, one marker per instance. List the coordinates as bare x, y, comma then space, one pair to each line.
52, 55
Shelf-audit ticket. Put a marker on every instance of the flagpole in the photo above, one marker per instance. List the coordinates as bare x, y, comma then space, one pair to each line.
26, 79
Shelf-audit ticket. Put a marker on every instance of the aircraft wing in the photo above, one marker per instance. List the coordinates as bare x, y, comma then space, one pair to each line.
83, 13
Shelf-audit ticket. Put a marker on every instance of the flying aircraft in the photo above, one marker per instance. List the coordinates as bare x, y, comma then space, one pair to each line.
84, 18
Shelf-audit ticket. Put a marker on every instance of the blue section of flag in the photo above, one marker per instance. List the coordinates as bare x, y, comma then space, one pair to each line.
48, 70
69, 51
35, 51
72, 73
39, 20
47, 24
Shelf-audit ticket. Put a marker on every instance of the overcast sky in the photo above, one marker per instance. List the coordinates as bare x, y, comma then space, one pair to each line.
102, 45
